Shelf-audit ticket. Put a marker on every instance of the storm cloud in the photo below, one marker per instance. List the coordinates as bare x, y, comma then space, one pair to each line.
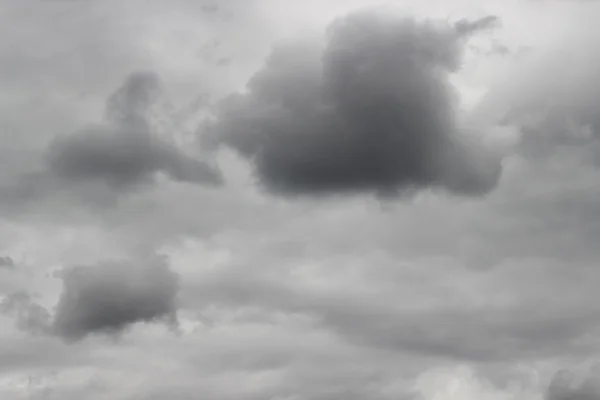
109, 297
373, 111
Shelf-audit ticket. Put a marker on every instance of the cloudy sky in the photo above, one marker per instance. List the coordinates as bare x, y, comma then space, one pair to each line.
299, 200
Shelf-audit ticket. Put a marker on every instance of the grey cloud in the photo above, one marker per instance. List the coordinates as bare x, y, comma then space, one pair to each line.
132, 102
29, 316
123, 157
210, 8
533, 327
27, 353
552, 96
109, 297
100, 163
372, 112
125, 151
466, 27
6, 262
567, 385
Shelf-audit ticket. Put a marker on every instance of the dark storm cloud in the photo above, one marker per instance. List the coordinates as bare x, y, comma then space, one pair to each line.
109, 297
372, 112
125, 151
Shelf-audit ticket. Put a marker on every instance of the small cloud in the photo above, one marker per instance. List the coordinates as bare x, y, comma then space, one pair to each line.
466, 27
6, 262
566, 385
223, 61
500, 49
111, 296
123, 157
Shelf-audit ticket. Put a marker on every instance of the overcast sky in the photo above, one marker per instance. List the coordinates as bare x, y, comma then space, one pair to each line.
299, 200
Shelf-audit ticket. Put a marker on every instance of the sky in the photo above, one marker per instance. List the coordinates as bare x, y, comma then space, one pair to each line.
299, 200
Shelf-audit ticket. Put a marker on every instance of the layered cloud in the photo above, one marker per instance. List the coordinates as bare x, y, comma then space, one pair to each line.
371, 111
552, 95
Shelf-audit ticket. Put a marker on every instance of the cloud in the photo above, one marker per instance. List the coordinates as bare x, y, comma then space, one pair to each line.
122, 158
371, 112
552, 95
466, 27
566, 385
30, 316
466, 383
109, 297
125, 152
328, 299
6, 262
98, 164
448, 328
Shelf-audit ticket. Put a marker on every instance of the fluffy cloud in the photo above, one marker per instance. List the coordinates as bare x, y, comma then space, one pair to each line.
109, 297
372, 111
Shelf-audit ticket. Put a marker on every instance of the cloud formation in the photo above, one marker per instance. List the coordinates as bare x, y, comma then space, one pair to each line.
6, 262
292, 300
123, 157
371, 112
124, 151
97, 164
109, 297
